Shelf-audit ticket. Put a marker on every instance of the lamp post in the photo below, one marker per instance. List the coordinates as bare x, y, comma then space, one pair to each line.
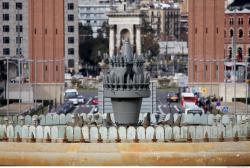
246, 82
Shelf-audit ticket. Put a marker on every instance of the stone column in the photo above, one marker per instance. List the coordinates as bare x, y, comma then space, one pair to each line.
138, 40
118, 41
111, 40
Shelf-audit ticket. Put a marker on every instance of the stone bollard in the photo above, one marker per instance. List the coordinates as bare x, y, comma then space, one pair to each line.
214, 121
6, 120
206, 139
34, 121
10, 122
73, 119
22, 122
218, 120
231, 120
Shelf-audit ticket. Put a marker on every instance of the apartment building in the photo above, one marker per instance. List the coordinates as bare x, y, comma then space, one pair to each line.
71, 35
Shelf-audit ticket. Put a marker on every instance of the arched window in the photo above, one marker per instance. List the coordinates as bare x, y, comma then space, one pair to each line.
225, 34
249, 52
231, 33
240, 33
230, 53
239, 54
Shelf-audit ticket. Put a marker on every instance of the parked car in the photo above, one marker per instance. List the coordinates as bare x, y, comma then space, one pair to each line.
77, 76
71, 95
81, 99
67, 76
172, 97
66, 107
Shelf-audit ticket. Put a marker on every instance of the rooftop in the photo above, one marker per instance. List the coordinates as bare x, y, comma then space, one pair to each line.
239, 4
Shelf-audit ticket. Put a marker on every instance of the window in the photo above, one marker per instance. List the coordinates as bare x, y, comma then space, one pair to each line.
71, 29
71, 63
18, 51
230, 53
19, 17
71, 51
70, 17
249, 52
71, 40
231, 33
249, 34
6, 17
18, 40
240, 33
239, 54
225, 34
240, 21
6, 51
5, 5
6, 28
249, 21
231, 21
6, 40
19, 5
19, 28
70, 6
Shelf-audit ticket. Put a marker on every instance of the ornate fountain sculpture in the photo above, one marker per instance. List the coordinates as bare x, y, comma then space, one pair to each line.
126, 84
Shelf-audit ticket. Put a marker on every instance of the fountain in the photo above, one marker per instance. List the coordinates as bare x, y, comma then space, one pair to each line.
126, 84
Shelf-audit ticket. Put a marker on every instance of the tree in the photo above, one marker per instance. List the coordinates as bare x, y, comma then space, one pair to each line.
149, 42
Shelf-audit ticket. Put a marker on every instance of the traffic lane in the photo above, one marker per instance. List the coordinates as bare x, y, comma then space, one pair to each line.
171, 108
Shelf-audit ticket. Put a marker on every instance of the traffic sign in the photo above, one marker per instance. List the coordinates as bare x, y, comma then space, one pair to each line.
225, 109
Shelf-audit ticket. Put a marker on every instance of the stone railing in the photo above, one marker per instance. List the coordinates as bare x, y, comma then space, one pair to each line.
102, 119
112, 134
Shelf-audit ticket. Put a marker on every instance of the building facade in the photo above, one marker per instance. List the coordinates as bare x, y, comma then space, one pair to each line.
13, 20
93, 13
164, 19
46, 48
206, 42
71, 35
237, 39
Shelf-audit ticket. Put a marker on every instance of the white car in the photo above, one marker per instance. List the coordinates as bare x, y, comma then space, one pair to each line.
67, 76
77, 76
71, 95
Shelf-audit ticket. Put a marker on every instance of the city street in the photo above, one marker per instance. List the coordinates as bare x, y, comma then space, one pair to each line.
162, 105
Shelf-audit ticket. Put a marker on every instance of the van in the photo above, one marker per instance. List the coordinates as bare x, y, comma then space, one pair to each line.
71, 95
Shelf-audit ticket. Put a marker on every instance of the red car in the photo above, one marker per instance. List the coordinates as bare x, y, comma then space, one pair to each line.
94, 101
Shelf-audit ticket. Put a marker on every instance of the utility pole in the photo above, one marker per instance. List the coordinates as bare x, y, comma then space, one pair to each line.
234, 57
19, 57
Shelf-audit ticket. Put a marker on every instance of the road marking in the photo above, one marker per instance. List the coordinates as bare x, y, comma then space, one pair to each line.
92, 110
176, 108
159, 107
89, 101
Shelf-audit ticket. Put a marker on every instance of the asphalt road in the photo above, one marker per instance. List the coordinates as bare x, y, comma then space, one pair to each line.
162, 105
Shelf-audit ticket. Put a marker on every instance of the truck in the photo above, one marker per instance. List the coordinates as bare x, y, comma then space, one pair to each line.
189, 104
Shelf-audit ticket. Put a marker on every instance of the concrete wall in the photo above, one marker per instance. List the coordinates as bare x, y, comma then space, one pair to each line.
150, 154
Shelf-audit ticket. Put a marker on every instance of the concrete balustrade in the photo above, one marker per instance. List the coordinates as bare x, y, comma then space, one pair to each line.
109, 134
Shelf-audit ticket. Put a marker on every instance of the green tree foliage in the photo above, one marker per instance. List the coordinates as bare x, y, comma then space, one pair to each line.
89, 47
149, 43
